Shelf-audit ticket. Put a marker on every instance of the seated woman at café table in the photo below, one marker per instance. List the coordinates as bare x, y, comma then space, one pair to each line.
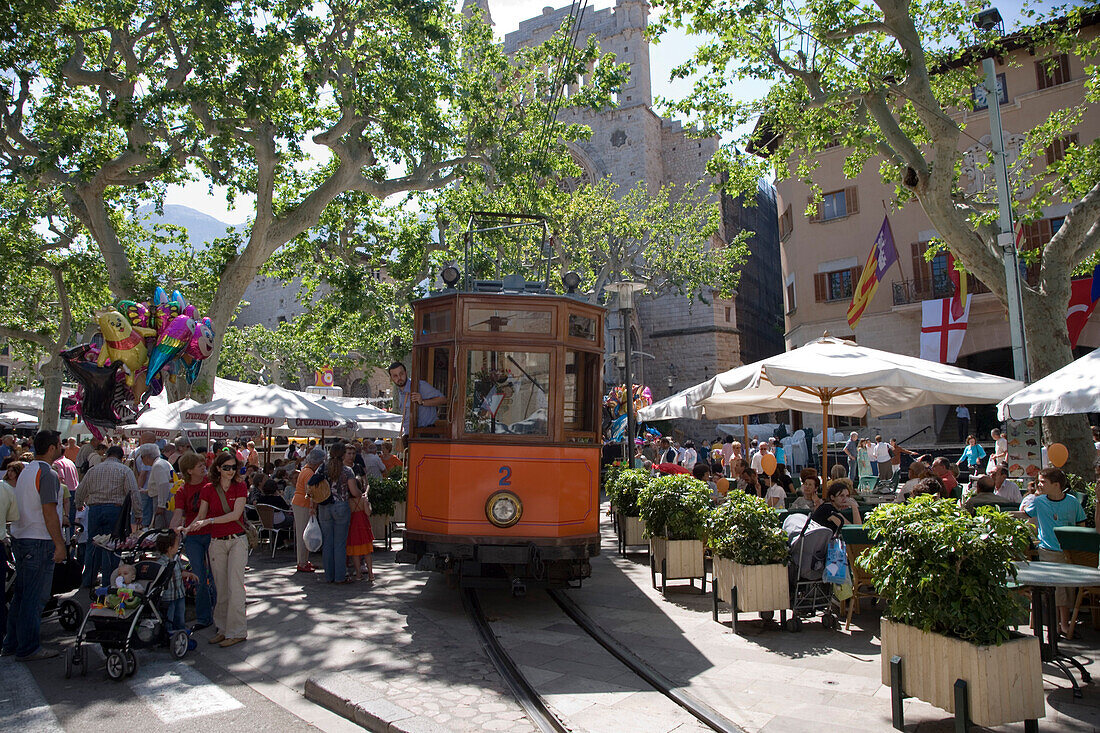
809, 500
774, 494
1055, 507
917, 471
838, 496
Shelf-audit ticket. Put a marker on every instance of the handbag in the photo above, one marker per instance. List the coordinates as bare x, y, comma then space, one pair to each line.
320, 492
836, 563
251, 532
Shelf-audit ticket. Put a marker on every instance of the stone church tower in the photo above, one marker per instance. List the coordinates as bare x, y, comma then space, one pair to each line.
689, 340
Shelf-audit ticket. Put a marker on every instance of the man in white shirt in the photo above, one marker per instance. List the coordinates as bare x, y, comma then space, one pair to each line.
157, 485
1006, 487
1000, 450
37, 544
758, 457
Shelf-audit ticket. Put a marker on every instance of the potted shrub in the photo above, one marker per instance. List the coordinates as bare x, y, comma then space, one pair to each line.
384, 493
401, 493
623, 493
944, 576
675, 510
750, 556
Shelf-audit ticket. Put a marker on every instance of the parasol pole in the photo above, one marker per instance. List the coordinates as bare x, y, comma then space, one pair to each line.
745, 425
824, 439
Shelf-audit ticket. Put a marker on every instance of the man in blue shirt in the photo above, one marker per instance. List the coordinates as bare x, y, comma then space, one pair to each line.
1055, 508
7, 447
426, 397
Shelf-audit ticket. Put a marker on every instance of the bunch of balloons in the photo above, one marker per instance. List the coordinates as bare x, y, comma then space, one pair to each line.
616, 398
138, 347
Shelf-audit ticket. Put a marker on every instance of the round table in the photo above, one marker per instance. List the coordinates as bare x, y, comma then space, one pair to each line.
1044, 577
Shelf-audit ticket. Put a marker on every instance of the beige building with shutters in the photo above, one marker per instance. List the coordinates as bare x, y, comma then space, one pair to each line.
822, 255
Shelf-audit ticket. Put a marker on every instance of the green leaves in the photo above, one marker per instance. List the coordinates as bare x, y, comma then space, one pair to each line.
623, 488
945, 571
746, 530
675, 507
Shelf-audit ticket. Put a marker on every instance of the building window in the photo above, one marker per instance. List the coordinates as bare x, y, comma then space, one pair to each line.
727, 314
977, 93
1052, 72
837, 205
786, 223
1057, 150
835, 285
3, 371
791, 302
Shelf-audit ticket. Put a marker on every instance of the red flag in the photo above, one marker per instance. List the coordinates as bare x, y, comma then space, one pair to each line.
958, 279
1080, 308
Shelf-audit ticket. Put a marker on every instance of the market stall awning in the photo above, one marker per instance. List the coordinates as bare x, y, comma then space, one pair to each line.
1073, 389
269, 406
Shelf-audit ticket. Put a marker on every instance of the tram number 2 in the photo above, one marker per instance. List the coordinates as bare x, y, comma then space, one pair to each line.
505, 476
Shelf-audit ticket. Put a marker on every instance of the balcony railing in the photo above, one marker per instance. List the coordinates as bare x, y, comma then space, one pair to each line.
914, 291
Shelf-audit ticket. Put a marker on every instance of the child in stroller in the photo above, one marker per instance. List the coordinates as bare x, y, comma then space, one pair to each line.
141, 616
809, 545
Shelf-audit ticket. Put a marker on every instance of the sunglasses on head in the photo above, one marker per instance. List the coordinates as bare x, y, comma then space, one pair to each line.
230, 466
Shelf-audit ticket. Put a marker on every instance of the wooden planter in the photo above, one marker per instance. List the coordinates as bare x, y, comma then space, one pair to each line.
756, 588
631, 531
676, 560
399, 511
380, 527
1002, 684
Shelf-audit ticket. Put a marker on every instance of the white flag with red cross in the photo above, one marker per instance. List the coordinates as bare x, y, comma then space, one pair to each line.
941, 335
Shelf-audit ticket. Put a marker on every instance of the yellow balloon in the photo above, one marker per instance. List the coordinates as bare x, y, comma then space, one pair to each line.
1057, 454
723, 486
768, 464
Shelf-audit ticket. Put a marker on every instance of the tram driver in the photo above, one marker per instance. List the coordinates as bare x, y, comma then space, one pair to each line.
426, 397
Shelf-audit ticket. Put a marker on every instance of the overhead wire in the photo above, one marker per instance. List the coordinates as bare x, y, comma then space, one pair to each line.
557, 88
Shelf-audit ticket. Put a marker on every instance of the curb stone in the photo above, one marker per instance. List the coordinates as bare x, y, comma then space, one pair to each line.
364, 706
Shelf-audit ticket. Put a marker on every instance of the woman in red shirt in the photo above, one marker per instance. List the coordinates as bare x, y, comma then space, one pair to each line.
196, 545
221, 509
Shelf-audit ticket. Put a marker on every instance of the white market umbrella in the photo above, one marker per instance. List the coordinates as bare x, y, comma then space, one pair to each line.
268, 406
1073, 389
15, 419
841, 378
368, 420
29, 399
165, 419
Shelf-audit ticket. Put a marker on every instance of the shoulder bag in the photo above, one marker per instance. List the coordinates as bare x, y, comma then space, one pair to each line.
250, 530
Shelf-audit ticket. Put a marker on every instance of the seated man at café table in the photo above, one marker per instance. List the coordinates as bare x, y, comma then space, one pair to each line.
941, 469
917, 471
1055, 507
838, 496
1005, 487
983, 494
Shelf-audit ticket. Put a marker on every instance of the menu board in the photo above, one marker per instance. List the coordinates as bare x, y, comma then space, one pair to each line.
1024, 446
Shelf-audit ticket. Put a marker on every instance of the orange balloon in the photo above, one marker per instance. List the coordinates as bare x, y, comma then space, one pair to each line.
768, 463
723, 486
1057, 454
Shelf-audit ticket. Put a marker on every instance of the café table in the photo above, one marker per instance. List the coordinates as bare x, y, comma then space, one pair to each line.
1044, 578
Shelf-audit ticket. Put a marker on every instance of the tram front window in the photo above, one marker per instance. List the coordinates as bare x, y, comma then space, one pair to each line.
507, 392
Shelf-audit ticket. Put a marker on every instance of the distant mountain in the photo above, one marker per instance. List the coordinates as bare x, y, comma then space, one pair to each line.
201, 228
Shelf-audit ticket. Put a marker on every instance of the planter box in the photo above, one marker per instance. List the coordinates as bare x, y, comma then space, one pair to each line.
759, 587
399, 511
631, 531
380, 527
1005, 683
676, 560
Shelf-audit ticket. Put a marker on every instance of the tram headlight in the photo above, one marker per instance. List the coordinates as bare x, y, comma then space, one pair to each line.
503, 509
571, 281
450, 275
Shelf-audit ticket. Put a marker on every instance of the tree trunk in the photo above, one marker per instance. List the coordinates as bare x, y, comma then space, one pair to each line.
234, 281
1047, 351
51, 384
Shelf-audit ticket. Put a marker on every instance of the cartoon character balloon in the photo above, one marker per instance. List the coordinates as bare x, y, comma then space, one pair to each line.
170, 343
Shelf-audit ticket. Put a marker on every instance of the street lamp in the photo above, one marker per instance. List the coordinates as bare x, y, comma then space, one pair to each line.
625, 291
989, 20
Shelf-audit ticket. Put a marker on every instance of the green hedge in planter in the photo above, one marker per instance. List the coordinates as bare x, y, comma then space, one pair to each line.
675, 507
944, 571
385, 492
610, 474
744, 529
623, 492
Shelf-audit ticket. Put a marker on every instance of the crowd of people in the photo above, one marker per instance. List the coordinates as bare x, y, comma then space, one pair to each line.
199, 501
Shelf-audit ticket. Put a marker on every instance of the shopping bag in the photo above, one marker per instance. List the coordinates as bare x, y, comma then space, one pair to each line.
311, 535
836, 563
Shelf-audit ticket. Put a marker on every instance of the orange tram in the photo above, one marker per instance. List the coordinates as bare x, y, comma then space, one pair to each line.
504, 476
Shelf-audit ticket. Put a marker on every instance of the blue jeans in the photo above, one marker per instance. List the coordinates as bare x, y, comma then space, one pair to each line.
196, 547
101, 520
334, 518
148, 507
174, 613
874, 468
33, 577
3, 588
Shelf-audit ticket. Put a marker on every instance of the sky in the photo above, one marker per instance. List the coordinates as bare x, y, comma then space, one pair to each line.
673, 49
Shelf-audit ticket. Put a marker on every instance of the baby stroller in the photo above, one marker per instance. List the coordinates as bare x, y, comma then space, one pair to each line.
119, 631
809, 544
66, 579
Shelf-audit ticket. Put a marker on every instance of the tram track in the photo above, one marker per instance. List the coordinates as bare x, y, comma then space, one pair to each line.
536, 707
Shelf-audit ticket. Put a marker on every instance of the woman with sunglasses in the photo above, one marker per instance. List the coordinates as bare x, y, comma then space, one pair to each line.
221, 507
334, 513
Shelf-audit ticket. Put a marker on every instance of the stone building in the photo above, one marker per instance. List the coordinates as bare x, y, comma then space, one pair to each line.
821, 257
683, 341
